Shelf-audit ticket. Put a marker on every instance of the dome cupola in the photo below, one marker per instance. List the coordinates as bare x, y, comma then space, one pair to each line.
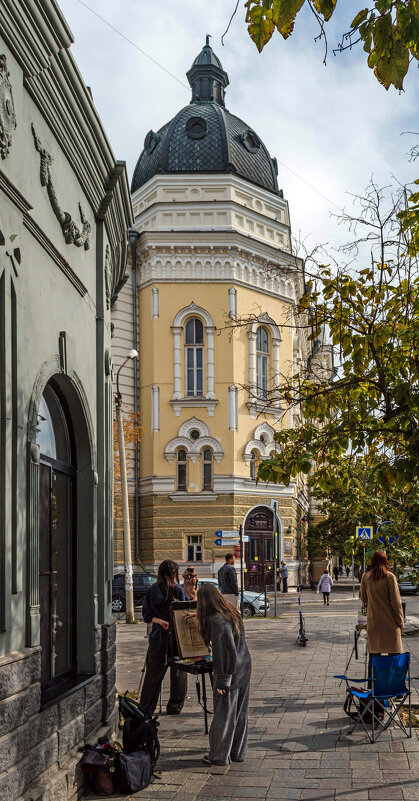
204, 137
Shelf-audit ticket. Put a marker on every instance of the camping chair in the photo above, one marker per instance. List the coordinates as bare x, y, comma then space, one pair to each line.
381, 704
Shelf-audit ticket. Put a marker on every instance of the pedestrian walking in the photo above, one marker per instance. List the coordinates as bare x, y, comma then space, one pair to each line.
283, 571
227, 580
221, 625
156, 607
385, 623
336, 572
325, 585
347, 571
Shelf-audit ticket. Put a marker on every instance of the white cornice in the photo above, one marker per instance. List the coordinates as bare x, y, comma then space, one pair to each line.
223, 485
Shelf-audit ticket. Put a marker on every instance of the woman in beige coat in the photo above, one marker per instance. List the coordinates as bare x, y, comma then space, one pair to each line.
380, 592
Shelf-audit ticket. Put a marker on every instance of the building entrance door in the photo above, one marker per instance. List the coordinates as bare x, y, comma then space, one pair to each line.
259, 550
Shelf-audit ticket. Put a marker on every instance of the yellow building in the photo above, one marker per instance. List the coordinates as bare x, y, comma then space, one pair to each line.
215, 284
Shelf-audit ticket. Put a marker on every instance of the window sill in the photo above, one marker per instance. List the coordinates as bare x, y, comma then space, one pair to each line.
264, 407
196, 497
65, 687
196, 401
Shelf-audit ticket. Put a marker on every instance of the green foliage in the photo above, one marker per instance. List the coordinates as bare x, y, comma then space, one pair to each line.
389, 30
369, 410
358, 498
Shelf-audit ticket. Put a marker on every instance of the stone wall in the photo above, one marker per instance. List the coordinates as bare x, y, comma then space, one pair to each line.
39, 759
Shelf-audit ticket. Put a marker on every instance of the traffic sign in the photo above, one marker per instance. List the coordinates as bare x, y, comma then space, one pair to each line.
364, 532
226, 533
386, 537
231, 540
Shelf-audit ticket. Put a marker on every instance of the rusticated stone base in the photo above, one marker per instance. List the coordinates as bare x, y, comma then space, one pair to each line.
39, 748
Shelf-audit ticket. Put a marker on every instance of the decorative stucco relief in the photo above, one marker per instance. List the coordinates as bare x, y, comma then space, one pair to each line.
71, 233
7, 109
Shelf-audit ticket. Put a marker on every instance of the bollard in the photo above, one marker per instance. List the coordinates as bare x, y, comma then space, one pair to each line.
404, 609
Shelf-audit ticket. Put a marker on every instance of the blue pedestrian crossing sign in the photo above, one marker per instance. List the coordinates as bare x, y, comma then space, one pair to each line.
364, 532
218, 542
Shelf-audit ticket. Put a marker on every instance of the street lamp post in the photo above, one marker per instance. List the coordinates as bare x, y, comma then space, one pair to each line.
129, 588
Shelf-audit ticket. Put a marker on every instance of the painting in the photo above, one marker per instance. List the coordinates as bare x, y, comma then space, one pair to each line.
188, 639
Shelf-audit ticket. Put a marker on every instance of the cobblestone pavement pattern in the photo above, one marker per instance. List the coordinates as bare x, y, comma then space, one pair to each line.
299, 745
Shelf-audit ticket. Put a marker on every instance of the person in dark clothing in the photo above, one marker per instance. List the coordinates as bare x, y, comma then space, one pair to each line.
222, 626
283, 572
156, 606
336, 572
347, 569
227, 579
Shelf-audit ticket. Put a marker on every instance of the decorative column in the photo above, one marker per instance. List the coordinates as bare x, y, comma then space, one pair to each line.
252, 362
34, 628
155, 408
210, 330
154, 302
177, 361
232, 303
276, 344
232, 408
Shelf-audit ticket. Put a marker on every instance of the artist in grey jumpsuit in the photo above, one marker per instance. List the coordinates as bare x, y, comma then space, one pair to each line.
223, 626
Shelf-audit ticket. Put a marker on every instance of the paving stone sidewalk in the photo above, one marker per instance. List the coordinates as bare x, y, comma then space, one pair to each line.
299, 745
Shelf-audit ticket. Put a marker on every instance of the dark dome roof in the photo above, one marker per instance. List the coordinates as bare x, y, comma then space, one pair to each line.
205, 137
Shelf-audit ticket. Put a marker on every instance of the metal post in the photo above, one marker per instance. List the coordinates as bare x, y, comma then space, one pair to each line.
363, 557
266, 600
353, 574
241, 569
275, 555
129, 588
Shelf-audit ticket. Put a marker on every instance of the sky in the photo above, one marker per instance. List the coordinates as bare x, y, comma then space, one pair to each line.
331, 127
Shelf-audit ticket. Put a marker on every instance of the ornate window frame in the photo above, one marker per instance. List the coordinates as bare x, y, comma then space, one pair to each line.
193, 447
263, 447
179, 400
259, 405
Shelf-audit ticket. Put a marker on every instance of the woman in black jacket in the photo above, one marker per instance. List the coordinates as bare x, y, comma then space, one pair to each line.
221, 625
156, 607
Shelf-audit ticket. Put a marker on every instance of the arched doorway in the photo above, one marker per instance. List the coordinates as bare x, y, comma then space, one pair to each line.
259, 550
57, 540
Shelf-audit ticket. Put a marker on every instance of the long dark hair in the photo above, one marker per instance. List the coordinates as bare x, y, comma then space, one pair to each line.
379, 565
211, 602
168, 574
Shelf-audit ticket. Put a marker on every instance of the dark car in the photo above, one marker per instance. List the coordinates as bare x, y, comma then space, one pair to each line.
142, 581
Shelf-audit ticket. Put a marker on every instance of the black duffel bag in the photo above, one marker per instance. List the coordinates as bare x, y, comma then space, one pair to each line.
135, 771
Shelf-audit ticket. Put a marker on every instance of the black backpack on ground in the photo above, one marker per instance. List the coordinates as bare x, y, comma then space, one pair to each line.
140, 744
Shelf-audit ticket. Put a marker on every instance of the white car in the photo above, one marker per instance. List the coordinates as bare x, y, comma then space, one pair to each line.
253, 603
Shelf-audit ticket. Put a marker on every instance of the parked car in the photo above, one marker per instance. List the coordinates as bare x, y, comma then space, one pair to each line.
408, 584
141, 581
253, 603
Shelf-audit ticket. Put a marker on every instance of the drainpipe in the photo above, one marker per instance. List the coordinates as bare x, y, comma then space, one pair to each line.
133, 236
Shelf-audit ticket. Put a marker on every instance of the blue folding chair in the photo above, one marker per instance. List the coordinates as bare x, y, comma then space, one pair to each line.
380, 705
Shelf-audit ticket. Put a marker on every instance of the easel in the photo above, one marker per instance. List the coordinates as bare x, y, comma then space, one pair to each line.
360, 627
198, 668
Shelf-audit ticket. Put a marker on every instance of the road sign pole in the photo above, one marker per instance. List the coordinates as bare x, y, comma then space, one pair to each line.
241, 568
274, 505
353, 574
363, 557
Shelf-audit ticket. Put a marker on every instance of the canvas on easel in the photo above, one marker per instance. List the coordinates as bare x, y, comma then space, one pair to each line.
188, 639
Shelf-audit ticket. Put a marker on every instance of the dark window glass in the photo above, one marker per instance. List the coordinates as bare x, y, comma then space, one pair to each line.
194, 332
262, 351
253, 465
194, 338
207, 470
181, 470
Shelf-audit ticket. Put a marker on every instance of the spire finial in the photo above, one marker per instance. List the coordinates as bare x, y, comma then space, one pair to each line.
207, 39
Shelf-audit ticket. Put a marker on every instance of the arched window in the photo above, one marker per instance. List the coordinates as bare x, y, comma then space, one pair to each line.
181, 470
57, 552
262, 362
194, 357
253, 465
207, 470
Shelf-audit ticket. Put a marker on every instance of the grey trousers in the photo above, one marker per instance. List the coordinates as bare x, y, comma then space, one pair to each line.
228, 732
